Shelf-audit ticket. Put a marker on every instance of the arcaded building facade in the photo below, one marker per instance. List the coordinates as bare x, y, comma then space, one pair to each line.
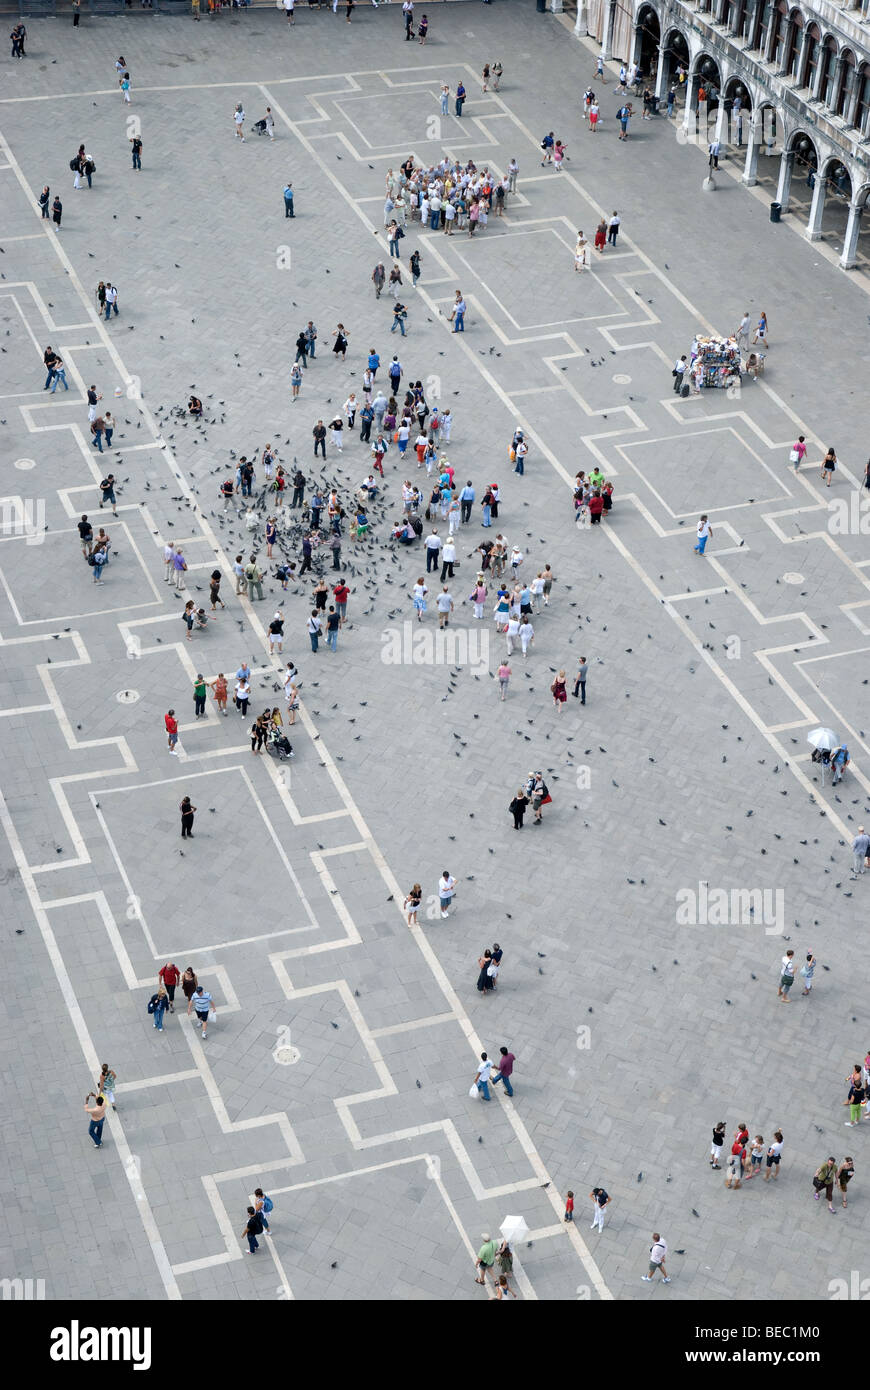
786, 90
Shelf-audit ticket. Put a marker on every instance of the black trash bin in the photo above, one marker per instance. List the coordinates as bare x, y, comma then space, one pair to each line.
542, 6
775, 212
654, 105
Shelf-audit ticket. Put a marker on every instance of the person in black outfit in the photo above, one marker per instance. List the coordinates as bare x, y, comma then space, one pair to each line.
319, 433
302, 349
306, 555
186, 818
517, 808
298, 488
253, 1229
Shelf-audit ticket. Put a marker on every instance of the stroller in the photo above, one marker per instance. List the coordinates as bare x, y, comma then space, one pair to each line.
260, 127
279, 745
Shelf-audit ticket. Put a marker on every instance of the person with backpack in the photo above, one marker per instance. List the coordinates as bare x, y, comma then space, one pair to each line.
157, 1005
263, 1206
253, 1228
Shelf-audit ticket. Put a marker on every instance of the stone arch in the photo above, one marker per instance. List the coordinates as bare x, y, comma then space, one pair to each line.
648, 33
739, 103
707, 77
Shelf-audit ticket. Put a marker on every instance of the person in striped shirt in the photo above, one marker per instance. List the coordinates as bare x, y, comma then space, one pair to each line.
201, 1001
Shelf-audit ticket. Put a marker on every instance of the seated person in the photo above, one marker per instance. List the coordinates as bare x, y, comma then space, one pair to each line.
368, 488
200, 618
194, 407
755, 364
404, 532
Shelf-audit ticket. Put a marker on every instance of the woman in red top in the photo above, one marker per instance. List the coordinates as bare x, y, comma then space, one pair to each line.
596, 507
601, 235
280, 484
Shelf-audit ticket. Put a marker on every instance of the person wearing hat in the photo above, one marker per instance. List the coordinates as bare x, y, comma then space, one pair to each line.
199, 696
276, 633
485, 1257
520, 449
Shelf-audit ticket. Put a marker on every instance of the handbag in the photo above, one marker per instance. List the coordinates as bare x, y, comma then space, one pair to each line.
794, 456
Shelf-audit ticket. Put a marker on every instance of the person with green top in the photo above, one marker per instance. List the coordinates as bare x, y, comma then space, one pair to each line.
199, 696
254, 576
485, 1258
824, 1178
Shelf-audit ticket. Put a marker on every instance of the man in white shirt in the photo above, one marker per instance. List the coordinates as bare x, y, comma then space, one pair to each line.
657, 1252
484, 1070
743, 333
169, 562
705, 531
680, 368
446, 890
433, 545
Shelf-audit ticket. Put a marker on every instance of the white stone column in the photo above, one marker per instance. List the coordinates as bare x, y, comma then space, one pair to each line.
691, 111
849, 258
555, 6
581, 24
750, 168
607, 41
662, 75
802, 52
817, 209
783, 187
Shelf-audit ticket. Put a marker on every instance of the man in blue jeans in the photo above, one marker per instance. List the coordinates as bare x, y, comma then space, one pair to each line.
482, 1075
460, 98
705, 531
49, 357
59, 376
400, 313
288, 200
459, 314
253, 1228
107, 491
97, 1112
505, 1067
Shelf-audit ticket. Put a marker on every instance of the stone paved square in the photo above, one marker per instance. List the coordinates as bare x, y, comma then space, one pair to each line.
337, 1072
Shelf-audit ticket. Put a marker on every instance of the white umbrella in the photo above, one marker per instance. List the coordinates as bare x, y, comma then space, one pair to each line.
514, 1228
823, 738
